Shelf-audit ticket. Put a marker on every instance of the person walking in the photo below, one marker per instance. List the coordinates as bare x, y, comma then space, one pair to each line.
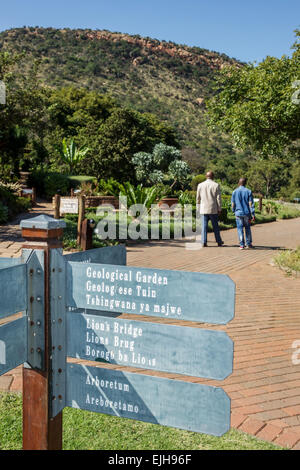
209, 199
242, 204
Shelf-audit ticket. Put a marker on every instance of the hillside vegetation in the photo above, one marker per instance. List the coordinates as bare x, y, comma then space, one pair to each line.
169, 80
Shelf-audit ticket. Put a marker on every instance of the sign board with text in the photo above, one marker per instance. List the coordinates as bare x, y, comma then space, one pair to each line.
68, 205
168, 402
155, 346
179, 295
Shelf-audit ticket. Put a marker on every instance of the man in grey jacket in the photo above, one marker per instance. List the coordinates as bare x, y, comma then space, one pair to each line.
209, 198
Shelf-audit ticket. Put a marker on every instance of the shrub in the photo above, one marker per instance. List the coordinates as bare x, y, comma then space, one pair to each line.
295, 195
289, 260
110, 187
36, 180
11, 204
56, 183
187, 197
197, 180
23, 204
270, 208
225, 190
226, 201
48, 183
223, 216
287, 212
3, 213
76, 181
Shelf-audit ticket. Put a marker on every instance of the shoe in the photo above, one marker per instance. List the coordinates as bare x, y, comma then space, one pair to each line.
221, 244
249, 246
203, 245
242, 248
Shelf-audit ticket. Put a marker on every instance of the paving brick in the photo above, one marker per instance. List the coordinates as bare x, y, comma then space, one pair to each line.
288, 438
293, 410
296, 446
237, 419
271, 415
269, 432
247, 409
252, 426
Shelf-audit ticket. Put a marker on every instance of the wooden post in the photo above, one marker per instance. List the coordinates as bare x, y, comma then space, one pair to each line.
81, 215
260, 202
86, 241
40, 431
33, 197
56, 206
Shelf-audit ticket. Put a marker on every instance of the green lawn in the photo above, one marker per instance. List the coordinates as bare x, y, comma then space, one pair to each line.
84, 430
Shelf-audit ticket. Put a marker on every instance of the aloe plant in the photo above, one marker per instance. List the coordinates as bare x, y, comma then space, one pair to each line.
71, 155
140, 195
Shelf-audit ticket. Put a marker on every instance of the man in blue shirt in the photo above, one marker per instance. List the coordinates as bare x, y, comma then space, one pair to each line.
242, 204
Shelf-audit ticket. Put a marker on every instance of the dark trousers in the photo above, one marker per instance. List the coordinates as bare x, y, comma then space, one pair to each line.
214, 220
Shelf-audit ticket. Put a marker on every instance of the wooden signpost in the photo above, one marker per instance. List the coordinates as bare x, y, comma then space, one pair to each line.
71, 306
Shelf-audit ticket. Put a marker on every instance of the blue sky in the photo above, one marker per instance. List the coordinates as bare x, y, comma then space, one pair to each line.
248, 30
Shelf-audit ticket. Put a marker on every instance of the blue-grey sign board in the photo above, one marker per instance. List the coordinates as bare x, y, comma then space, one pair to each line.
183, 405
8, 262
106, 255
167, 348
182, 295
13, 344
13, 285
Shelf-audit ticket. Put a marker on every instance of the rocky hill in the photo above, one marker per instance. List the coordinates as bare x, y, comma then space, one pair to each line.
164, 78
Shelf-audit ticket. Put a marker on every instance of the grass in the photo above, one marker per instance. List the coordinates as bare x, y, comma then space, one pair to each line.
84, 430
289, 260
288, 212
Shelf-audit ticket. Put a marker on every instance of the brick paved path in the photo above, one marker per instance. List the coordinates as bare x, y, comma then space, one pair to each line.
265, 385
10, 234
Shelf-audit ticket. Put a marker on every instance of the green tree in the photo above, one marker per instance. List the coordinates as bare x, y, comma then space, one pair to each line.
21, 117
254, 104
180, 172
112, 133
267, 176
164, 161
